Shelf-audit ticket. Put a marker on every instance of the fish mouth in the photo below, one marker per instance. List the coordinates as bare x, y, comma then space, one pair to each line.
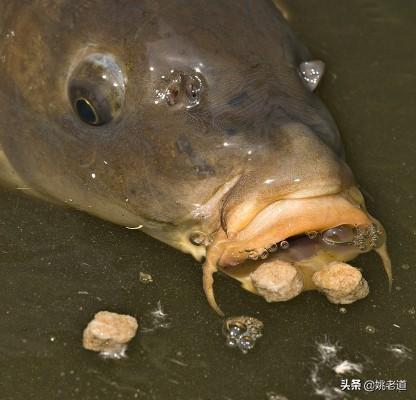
309, 232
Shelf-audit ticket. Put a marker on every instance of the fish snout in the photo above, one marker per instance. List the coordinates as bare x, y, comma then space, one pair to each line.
292, 239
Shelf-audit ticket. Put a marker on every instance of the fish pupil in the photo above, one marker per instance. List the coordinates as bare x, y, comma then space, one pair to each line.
86, 112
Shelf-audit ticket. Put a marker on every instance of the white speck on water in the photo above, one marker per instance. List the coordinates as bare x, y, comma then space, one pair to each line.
118, 353
93, 176
400, 351
346, 367
331, 393
105, 162
343, 310
275, 396
135, 227
115, 84
145, 277
327, 350
406, 266
158, 319
329, 364
151, 68
396, 326
370, 329
52, 338
181, 363
83, 292
158, 312
104, 77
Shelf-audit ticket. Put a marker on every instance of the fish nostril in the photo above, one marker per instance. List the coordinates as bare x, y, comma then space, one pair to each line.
180, 88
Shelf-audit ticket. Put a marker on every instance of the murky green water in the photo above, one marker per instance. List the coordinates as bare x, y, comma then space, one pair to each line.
58, 267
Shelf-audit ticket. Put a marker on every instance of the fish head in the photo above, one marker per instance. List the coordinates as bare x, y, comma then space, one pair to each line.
194, 122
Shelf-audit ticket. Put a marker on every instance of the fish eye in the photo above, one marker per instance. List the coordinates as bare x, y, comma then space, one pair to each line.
96, 89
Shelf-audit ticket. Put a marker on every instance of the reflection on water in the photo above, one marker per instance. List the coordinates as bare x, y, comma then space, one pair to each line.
59, 266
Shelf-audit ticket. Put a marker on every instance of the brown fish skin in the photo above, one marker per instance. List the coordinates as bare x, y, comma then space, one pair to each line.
184, 118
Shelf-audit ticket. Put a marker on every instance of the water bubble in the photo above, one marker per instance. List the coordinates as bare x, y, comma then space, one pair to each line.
365, 237
312, 72
312, 234
242, 332
231, 342
255, 331
253, 256
264, 255
247, 342
284, 244
272, 248
236, 328
370, 329
339, 235
145, 278
368, 237
343, 310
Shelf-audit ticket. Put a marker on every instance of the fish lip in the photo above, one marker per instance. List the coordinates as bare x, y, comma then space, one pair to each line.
292, 217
